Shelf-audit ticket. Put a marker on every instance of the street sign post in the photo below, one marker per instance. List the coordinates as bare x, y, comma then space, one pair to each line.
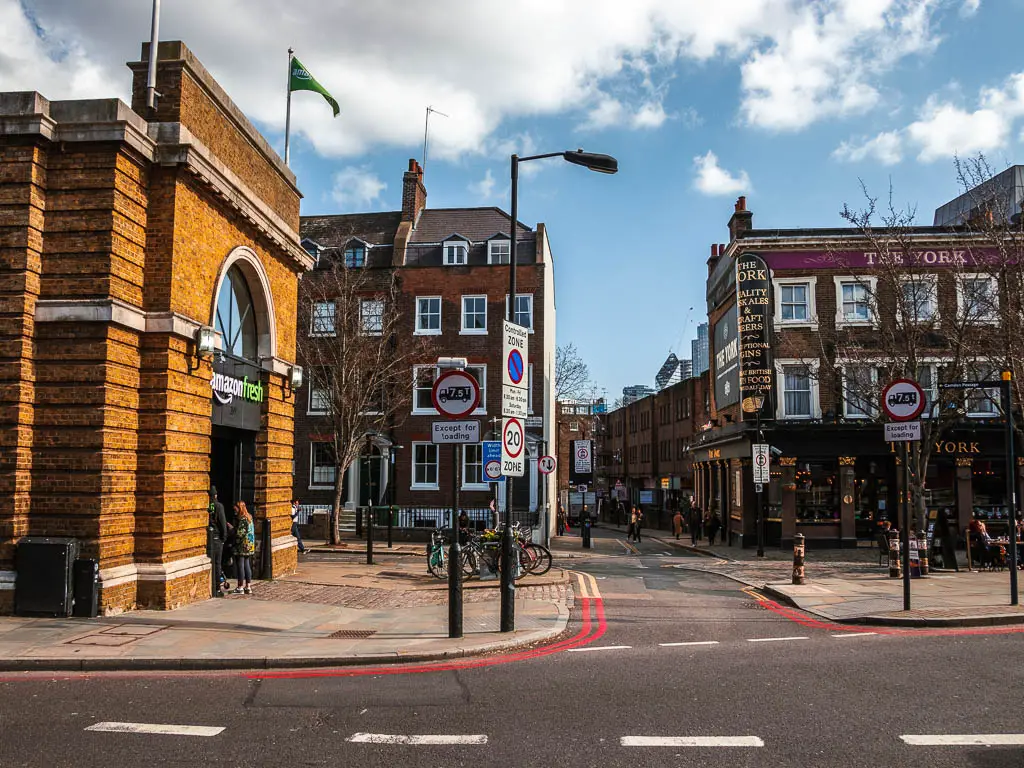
455, 394
515, 353
492, 461
455, 432
513, 444
761, 463
546, 465
903, 400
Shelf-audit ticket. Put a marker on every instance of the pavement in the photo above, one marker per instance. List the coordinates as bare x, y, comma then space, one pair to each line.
849, 586
335, 610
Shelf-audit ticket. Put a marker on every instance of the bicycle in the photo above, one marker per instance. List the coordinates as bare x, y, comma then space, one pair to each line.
437, 557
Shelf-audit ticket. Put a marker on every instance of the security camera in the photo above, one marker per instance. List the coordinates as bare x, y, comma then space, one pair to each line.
774, 451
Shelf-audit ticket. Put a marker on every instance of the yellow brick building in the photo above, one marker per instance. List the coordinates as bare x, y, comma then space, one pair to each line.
124, 234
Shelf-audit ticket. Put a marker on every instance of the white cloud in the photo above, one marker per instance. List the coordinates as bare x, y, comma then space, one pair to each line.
944, 129
604, 62
484, 189
356, 188
827, 58
970, 7
887, 148
712, 179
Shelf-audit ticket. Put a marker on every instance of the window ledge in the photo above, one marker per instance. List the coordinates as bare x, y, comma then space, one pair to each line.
321, 487
473, 332
476, 487
855, 323
812, 324
424, 487
424, 412
426, 333
321, 334
316, 413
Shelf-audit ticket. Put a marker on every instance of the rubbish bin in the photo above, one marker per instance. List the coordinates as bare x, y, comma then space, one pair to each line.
43, 585
86, 579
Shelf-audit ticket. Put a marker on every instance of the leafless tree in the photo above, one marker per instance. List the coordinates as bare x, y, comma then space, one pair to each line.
572, 376
357, 363
902, 316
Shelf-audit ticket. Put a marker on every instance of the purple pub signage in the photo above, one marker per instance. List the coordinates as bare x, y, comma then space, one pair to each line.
938, 257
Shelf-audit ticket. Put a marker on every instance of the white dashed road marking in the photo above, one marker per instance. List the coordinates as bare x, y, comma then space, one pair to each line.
695, 642
691, 741
426, 739
855, 634
166, 730
600, 648
962, 740
774, 639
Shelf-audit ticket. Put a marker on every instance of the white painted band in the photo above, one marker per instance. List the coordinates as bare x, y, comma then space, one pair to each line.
7, 579
966, 740
283, 542
855, 634
438, 739
695, 642
691, 741
773, 639
167, 730
600, 648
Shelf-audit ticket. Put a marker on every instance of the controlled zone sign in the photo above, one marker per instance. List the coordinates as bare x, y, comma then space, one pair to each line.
513, 448
903, 400
546, 464
492, 461
515, 353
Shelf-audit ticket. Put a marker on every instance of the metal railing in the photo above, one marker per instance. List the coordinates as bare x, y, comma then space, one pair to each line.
306, 512
440, 517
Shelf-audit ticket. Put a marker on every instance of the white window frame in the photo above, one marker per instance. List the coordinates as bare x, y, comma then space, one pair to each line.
811, 283
311, 409
323, 316
960, 303
415, 486
469, 485
313, 485
993, 397
473, 331
872, 406
780, 382
933, 393
499, 258
355, 247
371, 328
870, 284
417, 411
417, 331
448, 247
479, 372
933, 281
574, 426
513, 315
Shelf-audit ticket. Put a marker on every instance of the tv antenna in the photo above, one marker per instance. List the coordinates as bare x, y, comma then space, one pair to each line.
426, 127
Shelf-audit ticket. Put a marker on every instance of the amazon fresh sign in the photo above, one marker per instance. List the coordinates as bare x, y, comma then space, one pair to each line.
227, 388
238, 394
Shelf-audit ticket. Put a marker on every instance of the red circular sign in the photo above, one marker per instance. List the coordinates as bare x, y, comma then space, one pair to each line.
903, 400
455, 394
512, 438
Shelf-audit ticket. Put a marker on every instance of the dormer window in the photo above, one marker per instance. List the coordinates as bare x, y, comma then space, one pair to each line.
355, 255
313, 249
499, 251
456, 253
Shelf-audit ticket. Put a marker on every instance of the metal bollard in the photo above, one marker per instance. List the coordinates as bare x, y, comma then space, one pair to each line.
798, 559
369, 535
895, 566
922, 552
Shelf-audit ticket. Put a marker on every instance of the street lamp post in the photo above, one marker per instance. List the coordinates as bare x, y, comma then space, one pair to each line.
595, 162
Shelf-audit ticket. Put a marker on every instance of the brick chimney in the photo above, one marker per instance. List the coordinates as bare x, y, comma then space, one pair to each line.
414, 194
742, 220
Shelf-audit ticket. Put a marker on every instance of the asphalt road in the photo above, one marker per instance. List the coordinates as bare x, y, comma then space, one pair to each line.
759, 690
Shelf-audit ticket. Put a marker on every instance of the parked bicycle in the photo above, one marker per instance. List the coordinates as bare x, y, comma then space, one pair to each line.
437, 554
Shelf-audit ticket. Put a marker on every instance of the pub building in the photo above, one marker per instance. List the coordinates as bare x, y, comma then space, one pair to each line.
833, 476
151, 258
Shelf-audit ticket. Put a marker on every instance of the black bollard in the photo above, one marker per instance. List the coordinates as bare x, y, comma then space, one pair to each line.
799, 577
391, 524
455, 586
895, 567
369, 535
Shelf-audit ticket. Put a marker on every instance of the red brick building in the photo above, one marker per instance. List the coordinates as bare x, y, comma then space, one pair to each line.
453, 266
128, 236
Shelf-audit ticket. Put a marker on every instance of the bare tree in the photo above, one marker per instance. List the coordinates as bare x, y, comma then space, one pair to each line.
902, 316
572, 376
358, 371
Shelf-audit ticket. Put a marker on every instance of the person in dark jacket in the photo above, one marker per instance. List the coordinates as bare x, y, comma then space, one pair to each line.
713, 525
218, 535
695, 522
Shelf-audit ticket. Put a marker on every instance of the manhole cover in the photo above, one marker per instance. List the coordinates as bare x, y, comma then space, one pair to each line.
352, 633
750, 604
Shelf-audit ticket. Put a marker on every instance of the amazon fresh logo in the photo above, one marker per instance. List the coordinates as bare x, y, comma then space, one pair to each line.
302, 74
227, 388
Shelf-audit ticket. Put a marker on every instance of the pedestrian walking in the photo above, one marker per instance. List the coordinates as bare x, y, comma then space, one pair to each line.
561, 521
695, 522
630, 527
295, 526
713, 525
245, 548
636, 523
677, 523
218, 535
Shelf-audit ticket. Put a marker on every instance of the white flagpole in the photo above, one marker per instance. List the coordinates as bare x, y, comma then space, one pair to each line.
288, 109
154, 44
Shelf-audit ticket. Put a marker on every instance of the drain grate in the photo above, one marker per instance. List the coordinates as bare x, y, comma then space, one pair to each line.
352, 633
748, 604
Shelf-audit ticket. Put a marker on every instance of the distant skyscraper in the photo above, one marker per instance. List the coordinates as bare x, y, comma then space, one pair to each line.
634, 393
699, 351
670, 373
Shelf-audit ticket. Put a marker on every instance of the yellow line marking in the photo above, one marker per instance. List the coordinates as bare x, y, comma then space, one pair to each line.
594, 591
583, 585
749, 591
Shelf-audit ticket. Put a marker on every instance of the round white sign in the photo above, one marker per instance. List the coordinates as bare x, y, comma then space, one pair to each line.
546, 464
455, 394
903, 400
492, 470
512, 440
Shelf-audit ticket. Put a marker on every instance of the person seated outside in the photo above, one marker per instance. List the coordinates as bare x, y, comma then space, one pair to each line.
987, 549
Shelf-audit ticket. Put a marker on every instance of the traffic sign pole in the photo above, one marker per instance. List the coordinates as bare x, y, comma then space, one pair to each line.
455, 556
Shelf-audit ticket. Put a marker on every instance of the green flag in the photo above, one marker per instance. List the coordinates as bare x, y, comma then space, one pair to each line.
301, 80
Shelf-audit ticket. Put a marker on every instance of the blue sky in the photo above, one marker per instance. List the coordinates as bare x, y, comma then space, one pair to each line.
795, 102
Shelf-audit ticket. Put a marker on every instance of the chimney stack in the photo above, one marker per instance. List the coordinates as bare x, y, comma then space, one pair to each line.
414, 194
742, 220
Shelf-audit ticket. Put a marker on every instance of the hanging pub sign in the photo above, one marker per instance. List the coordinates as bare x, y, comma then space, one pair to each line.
726, 360
237, 392
753, 303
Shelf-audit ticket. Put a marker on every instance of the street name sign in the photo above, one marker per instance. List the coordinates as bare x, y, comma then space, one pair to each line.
455, 432
455, 394
761, 464
513, 444
902, 431
515, 377
492, 461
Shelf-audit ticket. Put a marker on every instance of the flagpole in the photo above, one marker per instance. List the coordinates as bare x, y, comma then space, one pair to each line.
288, 109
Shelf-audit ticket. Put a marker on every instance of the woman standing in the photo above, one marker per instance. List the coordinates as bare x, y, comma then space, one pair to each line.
677, 523
245, 548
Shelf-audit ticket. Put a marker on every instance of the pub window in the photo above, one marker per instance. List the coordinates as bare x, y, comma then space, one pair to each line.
817, 492
854, 300
794, 302
920, 300
796, 392
859, 391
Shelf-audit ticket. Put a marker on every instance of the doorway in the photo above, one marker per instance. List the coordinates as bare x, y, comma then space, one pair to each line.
369, 478
233, 467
